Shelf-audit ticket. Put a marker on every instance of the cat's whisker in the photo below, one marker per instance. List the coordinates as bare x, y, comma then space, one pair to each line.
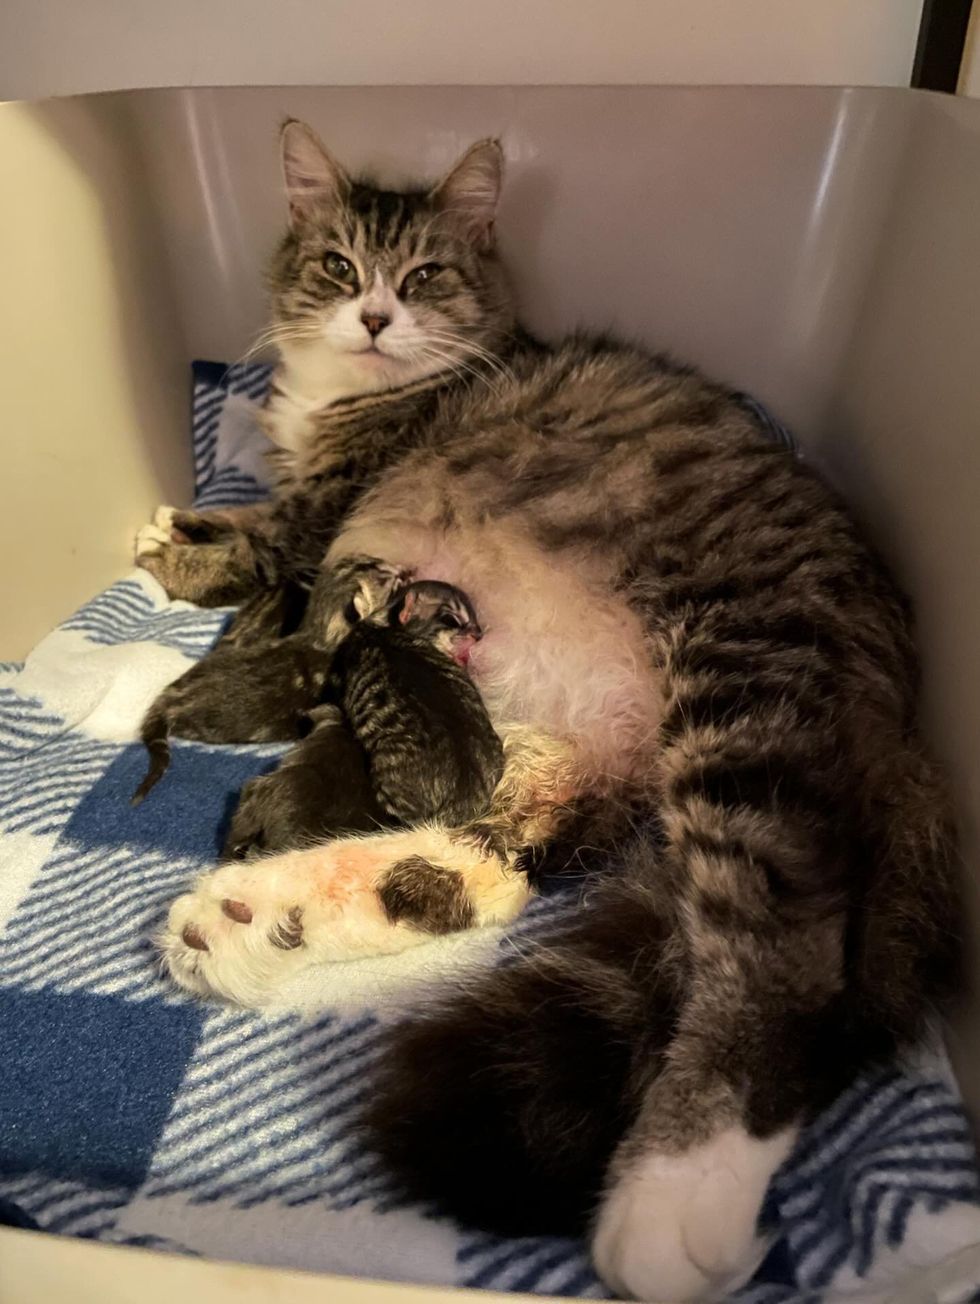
471, 349
459, 367
272, 337
450, 365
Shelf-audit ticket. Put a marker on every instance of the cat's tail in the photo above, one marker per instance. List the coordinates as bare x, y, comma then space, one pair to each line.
155, 733
503, 1100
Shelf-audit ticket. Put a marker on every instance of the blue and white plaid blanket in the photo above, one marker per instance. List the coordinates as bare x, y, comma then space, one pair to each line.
130, 1113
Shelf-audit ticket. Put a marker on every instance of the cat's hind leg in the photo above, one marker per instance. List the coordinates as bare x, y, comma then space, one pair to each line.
245, 930
681, 1222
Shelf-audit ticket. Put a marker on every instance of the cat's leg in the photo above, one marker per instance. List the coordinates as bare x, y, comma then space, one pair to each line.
757, 870
692, 1015
680, 1216
215, 559
245, 929
187, 525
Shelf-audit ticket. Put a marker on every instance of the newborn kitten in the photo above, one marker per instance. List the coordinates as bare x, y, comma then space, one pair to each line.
263, 694
400, 679
404, 738
321, 789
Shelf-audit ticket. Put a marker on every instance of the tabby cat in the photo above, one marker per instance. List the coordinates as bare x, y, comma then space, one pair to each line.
693, 659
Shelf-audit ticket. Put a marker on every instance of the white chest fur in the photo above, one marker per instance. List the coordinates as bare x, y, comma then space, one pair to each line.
308, 379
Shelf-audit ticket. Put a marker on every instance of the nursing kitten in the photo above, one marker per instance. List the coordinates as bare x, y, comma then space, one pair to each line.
400, 679
694, 615
321, 788
261, 693
407, 738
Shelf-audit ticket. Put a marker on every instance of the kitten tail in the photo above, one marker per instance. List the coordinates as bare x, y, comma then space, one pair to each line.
157, 743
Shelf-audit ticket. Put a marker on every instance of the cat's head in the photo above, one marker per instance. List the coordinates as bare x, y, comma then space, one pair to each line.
388, 286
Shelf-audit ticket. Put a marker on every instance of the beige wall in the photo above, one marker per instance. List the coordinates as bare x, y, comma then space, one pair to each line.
59, 47
94, 398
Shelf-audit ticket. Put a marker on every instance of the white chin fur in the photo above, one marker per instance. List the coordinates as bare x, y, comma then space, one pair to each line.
315, 373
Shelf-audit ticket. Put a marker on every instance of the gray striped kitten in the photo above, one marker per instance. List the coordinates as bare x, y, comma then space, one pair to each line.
706, 688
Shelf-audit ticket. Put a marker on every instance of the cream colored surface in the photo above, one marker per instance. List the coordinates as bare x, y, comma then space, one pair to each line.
61, 47
903, 441
94, 392
37, 1269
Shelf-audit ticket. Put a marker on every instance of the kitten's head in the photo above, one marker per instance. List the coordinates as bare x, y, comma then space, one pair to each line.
392, 285
439, 614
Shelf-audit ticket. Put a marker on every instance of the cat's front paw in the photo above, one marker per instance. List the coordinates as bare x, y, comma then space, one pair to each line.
156, 547
247, 929
153, 538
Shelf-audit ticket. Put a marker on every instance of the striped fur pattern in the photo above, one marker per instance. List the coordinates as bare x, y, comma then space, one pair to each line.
695, 614
251, 690
401, 724
258, 1159
431, 749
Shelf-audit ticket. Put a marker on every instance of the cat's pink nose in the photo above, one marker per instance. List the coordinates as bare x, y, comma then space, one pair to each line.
375, 323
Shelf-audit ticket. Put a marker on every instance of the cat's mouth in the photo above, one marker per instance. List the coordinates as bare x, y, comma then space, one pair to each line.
372, 354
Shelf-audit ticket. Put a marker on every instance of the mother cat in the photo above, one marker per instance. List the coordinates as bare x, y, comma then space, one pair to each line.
691, 655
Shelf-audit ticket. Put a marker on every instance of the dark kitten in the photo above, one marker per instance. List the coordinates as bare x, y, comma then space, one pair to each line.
237, 695
262, 693
321, 788
400, 680
408, 739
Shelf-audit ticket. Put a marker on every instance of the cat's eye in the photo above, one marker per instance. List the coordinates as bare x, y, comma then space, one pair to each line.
418, 276
340, 268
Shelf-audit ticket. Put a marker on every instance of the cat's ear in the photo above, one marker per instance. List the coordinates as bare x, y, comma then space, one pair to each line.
313, 179
468, 194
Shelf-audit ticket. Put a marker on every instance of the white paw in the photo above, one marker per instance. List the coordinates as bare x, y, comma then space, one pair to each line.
234, 936
683, 1227
246, 930
151, 539
163, 519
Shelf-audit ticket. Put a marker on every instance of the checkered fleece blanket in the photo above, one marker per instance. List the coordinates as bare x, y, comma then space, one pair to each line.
133, 1114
